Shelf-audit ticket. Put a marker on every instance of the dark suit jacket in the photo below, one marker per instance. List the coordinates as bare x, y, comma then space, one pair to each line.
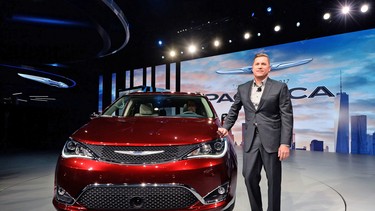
274, 116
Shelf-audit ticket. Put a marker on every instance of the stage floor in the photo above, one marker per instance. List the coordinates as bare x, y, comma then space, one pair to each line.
312, 181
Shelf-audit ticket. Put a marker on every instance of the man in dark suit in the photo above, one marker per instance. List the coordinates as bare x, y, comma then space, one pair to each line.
268, 131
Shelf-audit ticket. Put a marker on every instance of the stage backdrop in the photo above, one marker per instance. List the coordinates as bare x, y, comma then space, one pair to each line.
331, 80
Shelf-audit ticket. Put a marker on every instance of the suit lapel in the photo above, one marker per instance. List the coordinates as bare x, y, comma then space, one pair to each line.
266, 92
248, 89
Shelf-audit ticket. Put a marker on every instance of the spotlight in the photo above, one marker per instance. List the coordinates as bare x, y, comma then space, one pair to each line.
277, 28
216, 43
247, 35
259, 34
172, 53
326, 16
364, 8
298, 24
192, 49
160, 43
269, 9
345, 10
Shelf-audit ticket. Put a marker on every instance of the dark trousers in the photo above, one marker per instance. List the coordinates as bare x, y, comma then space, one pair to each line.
253, 161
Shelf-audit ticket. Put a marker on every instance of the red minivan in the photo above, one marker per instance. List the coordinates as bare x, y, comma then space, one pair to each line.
148, 151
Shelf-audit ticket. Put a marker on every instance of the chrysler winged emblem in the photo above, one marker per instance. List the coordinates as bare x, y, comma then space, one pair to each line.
139, 153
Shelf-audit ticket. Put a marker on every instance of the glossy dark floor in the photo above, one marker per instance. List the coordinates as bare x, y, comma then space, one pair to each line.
312, 181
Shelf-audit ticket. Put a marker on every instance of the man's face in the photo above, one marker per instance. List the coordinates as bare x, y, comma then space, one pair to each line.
261, 67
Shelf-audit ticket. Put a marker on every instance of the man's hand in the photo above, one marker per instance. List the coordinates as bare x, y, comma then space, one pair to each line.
284, 152
222, 132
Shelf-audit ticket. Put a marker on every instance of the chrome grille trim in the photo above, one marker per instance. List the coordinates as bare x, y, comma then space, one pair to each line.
155, 154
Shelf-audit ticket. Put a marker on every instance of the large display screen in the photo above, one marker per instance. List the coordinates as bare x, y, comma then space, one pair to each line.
331, 81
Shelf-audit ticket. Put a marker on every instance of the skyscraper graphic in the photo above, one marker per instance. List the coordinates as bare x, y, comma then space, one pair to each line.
342, 121
316, 145
372, 145
359, 143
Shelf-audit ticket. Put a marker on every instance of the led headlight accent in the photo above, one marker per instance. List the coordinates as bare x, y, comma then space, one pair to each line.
75, 149
213, 149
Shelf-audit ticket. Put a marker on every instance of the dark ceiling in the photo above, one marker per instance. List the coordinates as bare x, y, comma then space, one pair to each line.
84, 37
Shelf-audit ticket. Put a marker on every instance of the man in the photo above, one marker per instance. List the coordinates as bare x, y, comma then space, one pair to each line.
191, 107
268, 131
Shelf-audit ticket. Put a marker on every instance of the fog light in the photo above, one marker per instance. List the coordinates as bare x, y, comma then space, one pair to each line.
217, 195
63, 196
221, 190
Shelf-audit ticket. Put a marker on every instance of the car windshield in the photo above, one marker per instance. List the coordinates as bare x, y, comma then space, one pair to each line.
160, 105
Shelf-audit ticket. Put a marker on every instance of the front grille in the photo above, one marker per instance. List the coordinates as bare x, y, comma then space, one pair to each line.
137, 197
168, 153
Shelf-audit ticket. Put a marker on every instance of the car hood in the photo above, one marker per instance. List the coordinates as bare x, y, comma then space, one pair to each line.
145, 131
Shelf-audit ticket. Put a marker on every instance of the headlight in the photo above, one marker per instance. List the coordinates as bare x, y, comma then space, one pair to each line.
75, 149
213, 149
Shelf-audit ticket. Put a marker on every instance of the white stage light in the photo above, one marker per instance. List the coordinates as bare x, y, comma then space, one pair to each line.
326, 16
172, 53
277, 28
364, 8
192, 49
345, 10
247, 35
216, 43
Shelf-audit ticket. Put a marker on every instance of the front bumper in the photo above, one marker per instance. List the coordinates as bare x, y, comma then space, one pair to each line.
194, 184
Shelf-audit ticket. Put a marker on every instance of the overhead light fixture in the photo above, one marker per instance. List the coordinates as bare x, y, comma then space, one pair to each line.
326, 16
247, 35
277, 28
192, 48
216, 43
172, 53
364, 8
269, 9
345, 10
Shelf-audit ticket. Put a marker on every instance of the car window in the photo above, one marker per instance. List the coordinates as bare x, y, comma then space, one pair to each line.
161, 105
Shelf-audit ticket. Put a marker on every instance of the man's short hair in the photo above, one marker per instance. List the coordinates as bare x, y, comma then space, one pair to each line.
262, 55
